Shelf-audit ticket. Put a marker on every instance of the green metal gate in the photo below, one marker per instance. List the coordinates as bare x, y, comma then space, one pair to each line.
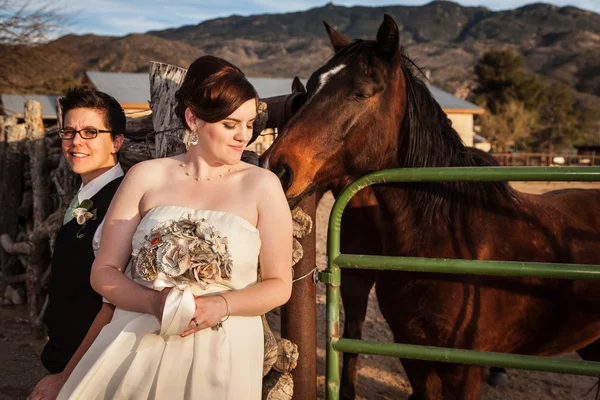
332, 275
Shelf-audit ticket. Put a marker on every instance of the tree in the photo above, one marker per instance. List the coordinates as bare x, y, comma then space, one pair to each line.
501, 79
510, 125
525, 111
29, 22
587, 120
557, 124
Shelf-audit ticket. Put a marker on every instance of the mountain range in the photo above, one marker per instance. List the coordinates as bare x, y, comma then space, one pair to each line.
558, 43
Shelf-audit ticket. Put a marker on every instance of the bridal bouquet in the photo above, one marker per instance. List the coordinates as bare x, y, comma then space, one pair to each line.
187, 250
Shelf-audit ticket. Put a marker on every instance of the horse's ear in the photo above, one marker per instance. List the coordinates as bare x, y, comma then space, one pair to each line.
388, 37
338, 41
297, 86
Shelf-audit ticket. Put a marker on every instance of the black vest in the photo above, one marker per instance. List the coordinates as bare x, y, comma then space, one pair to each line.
73, 304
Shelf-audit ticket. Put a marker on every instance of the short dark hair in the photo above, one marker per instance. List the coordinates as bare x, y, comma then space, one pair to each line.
213, 89
87, 97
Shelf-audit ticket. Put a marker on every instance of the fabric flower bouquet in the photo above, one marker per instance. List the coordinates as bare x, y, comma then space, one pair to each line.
189, 249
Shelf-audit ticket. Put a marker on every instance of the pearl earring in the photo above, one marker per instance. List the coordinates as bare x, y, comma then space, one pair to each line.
193, 140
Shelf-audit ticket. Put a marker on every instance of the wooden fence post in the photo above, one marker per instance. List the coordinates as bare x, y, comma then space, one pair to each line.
34, 127
2, 143
11, 190
299, 315
165, 80
65, 181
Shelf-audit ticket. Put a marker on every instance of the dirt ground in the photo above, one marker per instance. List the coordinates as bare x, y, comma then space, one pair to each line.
379, 377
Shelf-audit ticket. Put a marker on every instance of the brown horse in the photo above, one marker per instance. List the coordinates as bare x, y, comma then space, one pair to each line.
366, 111
361, 233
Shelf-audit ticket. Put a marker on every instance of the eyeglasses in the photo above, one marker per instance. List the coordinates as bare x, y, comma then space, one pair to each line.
85, 133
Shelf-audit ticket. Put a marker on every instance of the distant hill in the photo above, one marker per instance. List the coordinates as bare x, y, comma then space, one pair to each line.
53, 67
560, 43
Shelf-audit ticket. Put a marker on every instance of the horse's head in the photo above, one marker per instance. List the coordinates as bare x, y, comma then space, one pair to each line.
350, 121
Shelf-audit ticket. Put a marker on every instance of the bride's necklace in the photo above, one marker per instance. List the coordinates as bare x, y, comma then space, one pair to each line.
212, 178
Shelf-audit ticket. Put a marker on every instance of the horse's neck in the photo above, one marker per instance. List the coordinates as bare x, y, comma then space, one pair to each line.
402, 227
413, 229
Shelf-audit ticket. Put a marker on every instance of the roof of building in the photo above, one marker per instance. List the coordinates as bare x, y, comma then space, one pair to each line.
135, 88
129, 88
271, 87
479, 139
132, 90
451, 103
14, 104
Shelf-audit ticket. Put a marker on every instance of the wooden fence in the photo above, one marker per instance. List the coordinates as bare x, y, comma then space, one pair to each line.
546, 159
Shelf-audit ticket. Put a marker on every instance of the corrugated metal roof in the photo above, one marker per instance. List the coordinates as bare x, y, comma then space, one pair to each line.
126, 87
271, 87
14, 104
135, 88
450, 102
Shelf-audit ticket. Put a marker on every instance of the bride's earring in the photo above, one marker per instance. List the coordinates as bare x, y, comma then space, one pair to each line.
193, 140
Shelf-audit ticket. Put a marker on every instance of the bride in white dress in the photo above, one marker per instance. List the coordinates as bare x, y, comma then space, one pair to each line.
199, 337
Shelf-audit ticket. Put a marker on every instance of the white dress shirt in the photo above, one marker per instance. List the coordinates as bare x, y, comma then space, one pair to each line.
91, 188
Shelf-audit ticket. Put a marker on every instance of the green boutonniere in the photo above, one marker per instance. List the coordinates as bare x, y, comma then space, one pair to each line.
83, 214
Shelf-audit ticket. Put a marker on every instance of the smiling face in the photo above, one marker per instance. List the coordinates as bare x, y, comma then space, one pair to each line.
90, 158
223, 141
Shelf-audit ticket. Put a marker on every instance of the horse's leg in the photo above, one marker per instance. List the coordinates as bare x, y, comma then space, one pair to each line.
424, 380
355, 288
460, 382
434, 381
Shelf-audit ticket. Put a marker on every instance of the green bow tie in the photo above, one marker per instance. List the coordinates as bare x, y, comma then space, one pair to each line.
69, 213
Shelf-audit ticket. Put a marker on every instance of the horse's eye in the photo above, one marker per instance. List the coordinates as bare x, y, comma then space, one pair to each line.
362, 95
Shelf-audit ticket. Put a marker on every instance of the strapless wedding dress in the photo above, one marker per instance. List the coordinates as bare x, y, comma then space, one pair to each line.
134, 357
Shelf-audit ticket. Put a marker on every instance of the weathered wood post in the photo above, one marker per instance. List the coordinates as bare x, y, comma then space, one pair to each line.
65, 181
165, 80
299, 315
2, 143
11, 190
34, 127
40, 251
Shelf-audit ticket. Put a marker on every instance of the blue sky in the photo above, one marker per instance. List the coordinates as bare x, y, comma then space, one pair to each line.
119, 17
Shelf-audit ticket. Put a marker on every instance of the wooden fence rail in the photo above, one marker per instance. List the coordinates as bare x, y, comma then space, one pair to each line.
546, 159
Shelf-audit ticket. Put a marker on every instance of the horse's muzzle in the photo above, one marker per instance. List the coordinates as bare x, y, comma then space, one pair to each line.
285, 174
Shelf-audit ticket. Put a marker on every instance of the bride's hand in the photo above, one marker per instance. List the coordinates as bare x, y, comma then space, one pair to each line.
209, 311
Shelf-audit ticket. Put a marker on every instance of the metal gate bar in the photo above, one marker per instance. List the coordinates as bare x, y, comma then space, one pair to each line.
332, 275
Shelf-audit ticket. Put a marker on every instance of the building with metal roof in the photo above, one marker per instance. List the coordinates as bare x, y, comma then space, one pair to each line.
451, 103
132, 91
134, 88
459, 111
14, 104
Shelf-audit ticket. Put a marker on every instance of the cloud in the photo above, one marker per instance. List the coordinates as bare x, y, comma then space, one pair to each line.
134, 24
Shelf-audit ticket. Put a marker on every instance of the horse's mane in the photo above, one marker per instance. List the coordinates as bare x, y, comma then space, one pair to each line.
427, 139
433, 142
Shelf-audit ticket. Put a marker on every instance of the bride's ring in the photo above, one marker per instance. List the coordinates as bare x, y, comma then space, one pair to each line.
195, 322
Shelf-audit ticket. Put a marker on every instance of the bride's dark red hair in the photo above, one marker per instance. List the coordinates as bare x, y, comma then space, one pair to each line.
213, 89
